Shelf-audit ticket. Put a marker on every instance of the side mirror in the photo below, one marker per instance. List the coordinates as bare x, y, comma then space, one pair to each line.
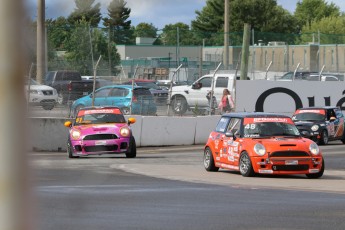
197, 85
230, 134
305, 134
131, 120
68, 124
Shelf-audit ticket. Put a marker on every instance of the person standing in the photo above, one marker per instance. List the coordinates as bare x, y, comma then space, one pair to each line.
226, 105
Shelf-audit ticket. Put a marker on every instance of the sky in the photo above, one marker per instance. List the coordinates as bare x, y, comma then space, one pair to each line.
157, 12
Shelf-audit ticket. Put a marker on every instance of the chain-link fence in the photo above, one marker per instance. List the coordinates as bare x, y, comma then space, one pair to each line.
157, 59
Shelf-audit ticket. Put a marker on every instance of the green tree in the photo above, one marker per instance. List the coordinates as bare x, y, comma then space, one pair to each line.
170, 34
332, 31
308, 11
145, 30
118, 25
262, 15
58, 32
86, 10
79, 49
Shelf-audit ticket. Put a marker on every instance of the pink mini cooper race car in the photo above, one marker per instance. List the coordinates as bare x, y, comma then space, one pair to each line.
100, 130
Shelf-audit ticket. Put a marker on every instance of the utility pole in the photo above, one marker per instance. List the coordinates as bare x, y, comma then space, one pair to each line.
14, 188
245, 51
226, 35
41, 41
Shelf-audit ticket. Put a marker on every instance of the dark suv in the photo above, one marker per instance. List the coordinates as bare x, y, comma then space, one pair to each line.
159, 94
321, 124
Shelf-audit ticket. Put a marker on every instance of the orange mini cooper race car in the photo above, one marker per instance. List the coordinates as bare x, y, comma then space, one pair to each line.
261, 143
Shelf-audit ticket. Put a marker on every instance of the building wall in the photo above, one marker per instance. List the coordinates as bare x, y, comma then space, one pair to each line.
284, 58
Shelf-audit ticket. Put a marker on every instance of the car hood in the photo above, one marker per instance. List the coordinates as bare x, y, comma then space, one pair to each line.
155, 91
307, 123
99, 128
180, 88
39, 87
273, 144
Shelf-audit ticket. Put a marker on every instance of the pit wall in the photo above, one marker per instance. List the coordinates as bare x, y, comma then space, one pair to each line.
50, 134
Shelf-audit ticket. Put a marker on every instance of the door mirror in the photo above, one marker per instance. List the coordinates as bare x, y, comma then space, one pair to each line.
197, 85
68, 124
305, 134
230, 134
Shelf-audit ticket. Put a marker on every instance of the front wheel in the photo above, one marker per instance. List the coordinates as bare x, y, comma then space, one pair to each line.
132, 149
209, 161
319, 174
246, 168
324, 138
179, 105
69, 150
48, 106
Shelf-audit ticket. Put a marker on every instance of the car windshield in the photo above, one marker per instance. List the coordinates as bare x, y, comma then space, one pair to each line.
266, 129
99, 117
309, 117
33, 82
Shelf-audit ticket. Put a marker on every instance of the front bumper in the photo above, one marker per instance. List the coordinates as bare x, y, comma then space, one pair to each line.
295, 165
97, 147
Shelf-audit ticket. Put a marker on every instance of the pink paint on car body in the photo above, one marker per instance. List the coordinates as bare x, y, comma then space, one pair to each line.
100, 130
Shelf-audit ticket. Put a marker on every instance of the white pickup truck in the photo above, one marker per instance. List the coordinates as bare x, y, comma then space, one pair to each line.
186, 97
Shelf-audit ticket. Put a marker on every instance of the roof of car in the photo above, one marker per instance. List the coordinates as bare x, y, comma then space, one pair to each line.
319, 107
253, 114
123, 86
142, 80
99, 107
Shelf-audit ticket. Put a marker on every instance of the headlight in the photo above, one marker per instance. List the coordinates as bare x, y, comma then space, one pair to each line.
75, 134
315, 128
314, 148
259, 149
125, 132
54, 92
33, 91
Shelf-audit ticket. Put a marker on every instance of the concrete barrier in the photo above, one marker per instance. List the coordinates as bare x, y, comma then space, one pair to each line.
50, 134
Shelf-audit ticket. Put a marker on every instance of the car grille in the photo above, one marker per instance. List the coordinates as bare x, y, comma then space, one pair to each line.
290, 167
100, 148
100, 137
303, 128
289, 154
47, 92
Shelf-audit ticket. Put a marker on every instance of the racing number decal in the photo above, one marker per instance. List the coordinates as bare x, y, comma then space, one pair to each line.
232, 150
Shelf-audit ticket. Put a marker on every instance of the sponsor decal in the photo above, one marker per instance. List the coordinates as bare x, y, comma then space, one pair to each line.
266, 119
95, 111
320, 111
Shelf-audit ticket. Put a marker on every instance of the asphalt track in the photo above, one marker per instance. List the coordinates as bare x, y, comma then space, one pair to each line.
185, 169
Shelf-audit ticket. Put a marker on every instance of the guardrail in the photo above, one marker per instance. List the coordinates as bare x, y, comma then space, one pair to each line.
49, 134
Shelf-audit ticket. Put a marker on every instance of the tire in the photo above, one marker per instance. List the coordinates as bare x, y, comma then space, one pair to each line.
132, 149
319, 174
209, 161
179, 105
343, 139
126, 111
324, 138
48, 106
69, 150
246, 168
